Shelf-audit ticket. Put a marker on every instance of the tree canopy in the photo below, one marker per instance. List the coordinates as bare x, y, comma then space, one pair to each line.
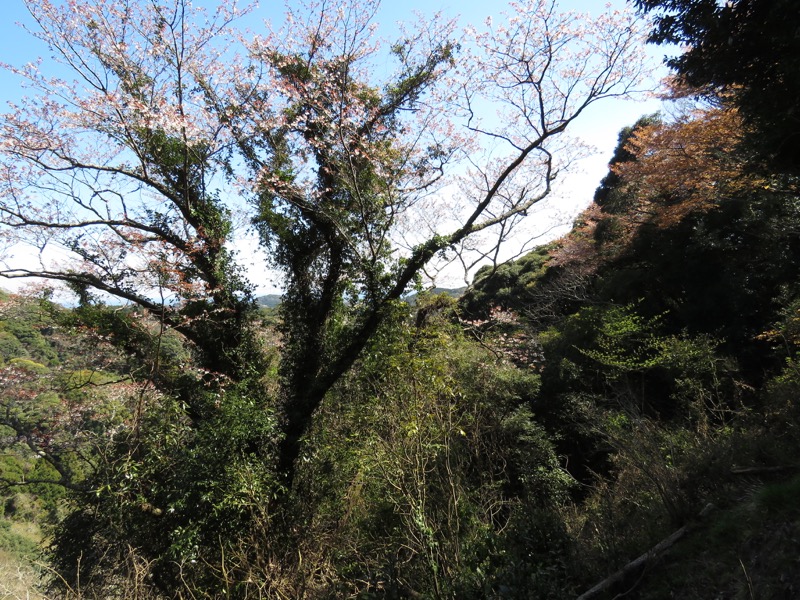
140, 167
744, 48
572, 409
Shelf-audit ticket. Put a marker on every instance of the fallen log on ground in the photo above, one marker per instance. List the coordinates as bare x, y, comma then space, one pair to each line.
644, 559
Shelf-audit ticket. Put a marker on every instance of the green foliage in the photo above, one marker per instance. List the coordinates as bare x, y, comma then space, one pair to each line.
722, 272
780, 497
615, 339
624, 341
23, 326
32, 340
183, 496
19, 545
29, 365
10, 346
509, 285
424, 461
391, 455
653, 378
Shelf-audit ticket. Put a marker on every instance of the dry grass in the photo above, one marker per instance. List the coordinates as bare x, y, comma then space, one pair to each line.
18, 579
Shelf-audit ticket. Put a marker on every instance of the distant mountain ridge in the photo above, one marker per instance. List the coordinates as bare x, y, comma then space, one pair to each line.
269, 300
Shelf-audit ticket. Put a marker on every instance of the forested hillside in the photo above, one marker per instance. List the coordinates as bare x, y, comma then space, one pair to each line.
611, 415
664, 326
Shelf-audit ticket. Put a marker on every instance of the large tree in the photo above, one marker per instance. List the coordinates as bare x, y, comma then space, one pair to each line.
171, 131
133, 168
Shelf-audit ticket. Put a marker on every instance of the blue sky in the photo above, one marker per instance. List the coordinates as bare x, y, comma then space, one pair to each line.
599, 126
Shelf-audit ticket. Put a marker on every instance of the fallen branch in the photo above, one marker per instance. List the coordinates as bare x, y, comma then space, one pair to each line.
758, 470
640, 562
